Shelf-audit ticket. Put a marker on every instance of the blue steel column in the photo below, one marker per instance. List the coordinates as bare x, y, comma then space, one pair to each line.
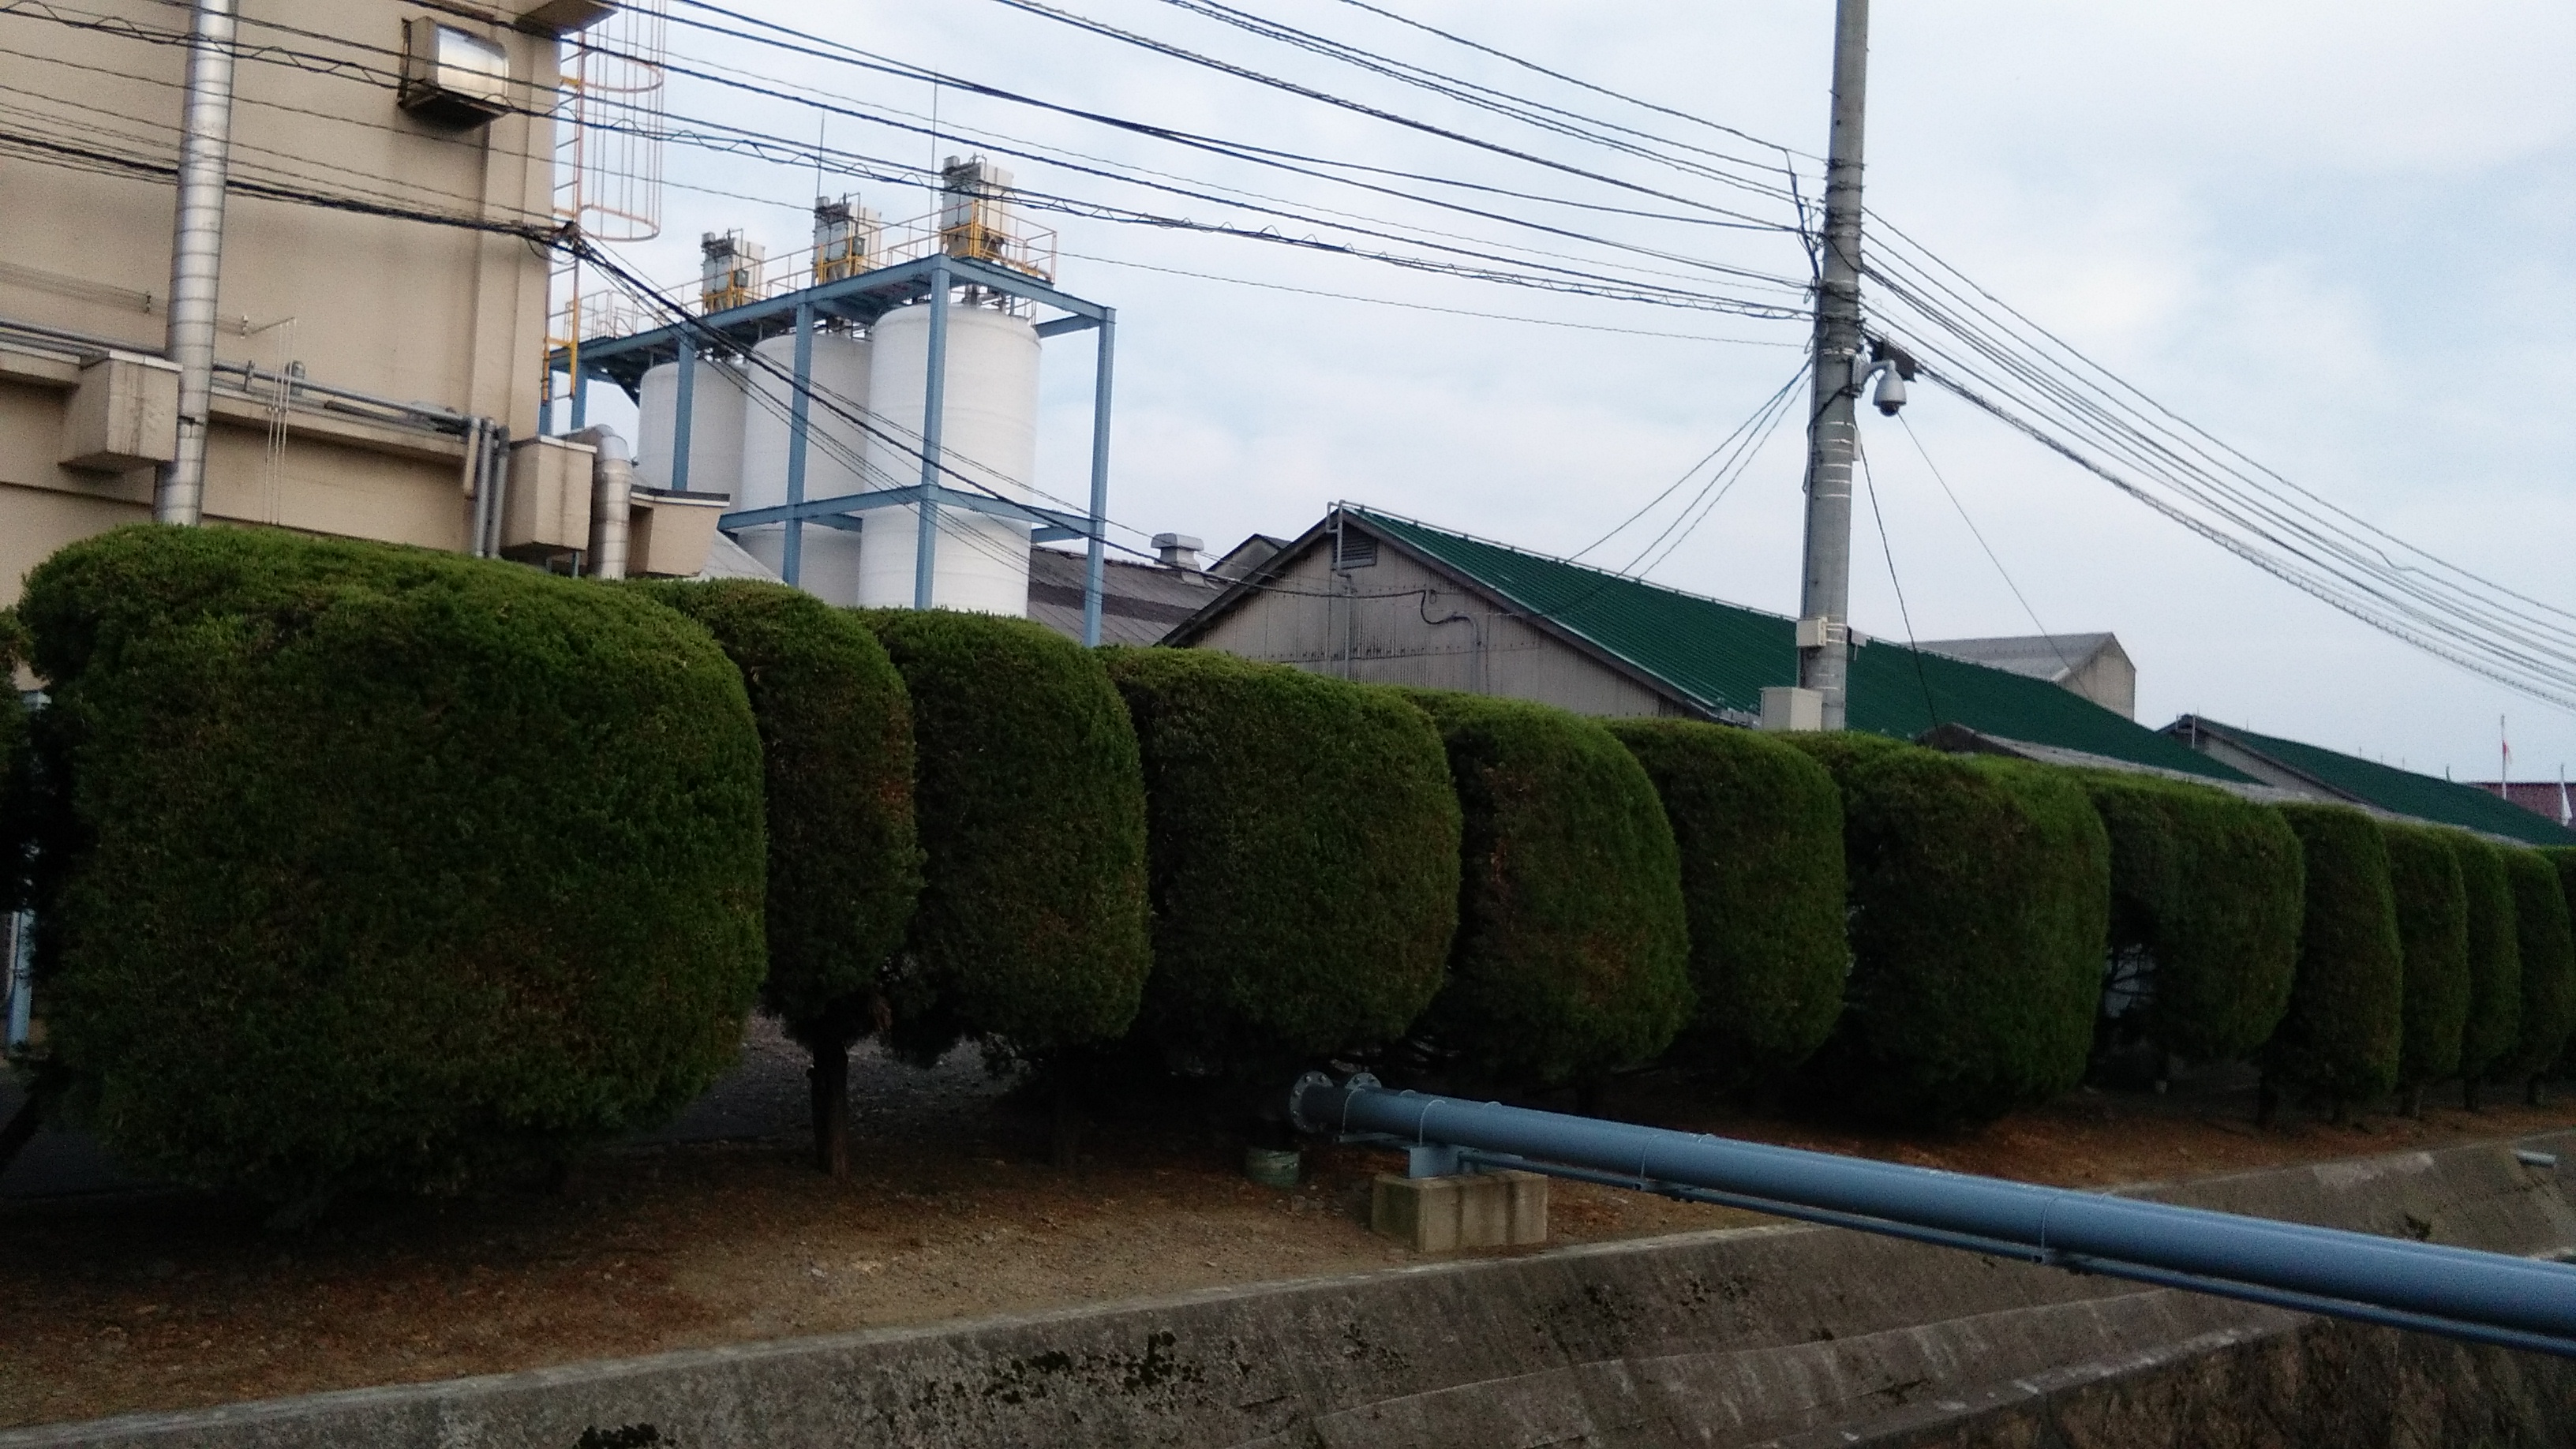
934, 394
580, 400
791, 561
1097, 564
687, 405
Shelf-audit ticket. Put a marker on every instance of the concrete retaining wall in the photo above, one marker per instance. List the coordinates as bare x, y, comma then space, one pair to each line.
1740, 1337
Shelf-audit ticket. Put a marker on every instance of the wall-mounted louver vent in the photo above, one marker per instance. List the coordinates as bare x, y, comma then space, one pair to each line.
1354, 551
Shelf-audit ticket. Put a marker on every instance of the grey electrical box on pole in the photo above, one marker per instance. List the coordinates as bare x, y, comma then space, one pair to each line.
1824, 599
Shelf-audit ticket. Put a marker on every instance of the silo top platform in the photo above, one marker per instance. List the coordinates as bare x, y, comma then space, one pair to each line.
861, 299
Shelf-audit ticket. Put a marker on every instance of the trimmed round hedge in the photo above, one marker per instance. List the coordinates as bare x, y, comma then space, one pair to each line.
1030, 934
373, 867
2342, 1036
2494, 1023
1573, 950
2548, 965
2433, 932
1980, 920
2208, 888
1760, 830
1304, 848
836, 765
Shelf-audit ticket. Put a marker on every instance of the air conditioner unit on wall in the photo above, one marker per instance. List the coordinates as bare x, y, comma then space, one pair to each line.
452, 77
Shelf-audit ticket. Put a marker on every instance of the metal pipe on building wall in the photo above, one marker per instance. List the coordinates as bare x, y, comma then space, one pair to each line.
612, 494
196, 254
2487, 1297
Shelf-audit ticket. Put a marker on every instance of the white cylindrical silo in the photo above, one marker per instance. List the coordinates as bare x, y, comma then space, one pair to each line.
829, 557
989, 444
715, 426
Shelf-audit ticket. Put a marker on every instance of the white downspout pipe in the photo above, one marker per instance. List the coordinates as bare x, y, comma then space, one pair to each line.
196, 254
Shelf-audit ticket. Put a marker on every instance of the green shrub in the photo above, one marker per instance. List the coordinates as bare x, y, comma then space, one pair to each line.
2494, 1024
2548, 965
1572, 956
2433, 931
1760, 830
1030, 935
1304, 847
2342, 1036
836, 766
1980, 910
2564, 859
369, 866
2207, 888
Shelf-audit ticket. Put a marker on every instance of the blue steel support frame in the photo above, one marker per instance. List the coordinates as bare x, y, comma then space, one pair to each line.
1095, 561
800, 408
580, 402
684, 414
934, 410
2457, 1292
862, 299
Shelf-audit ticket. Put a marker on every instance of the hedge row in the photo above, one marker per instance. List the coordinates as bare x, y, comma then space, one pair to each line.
367, 866
2339, 1041
2548, 967
1759, 827
1572, 953
1304, 847
836, 778
2207, 894
2433, 936
2494, 1022
1979, 923
1031, 933
376, 867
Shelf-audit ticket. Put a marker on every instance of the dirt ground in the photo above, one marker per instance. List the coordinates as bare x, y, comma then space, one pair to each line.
143, 1300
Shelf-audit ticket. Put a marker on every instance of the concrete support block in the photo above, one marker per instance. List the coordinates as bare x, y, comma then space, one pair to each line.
124, 415
547, 508
1474, 1210
669, 536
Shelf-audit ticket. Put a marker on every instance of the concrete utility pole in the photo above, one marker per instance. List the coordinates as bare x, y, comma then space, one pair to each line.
1824, 600
197, 253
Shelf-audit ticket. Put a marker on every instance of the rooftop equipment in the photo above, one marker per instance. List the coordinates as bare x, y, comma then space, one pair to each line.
2459, 1293
451, 76
731, 272
846, 238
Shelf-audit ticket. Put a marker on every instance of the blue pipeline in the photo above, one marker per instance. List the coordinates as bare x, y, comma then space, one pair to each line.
2459, 1292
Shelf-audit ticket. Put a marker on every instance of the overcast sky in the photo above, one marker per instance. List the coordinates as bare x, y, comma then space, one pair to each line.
2338, 236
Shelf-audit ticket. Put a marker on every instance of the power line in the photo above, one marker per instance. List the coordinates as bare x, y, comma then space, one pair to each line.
1913, 646
1979, 535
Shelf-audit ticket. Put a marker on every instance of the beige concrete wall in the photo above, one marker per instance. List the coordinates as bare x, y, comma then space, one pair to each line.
394, 308
2109, 680
1375, 625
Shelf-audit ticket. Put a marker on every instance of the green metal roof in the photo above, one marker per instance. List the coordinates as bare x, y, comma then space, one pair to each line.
1723, 656
2402, 792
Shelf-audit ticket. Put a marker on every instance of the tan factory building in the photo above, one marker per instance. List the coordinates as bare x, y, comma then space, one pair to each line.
349, 345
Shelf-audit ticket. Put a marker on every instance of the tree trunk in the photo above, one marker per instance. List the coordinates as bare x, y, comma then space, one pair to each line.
2532, 1093
830, 1081
2342, 1112
2469, 1094
1065, 1131
2267, 1102
2414, 1100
